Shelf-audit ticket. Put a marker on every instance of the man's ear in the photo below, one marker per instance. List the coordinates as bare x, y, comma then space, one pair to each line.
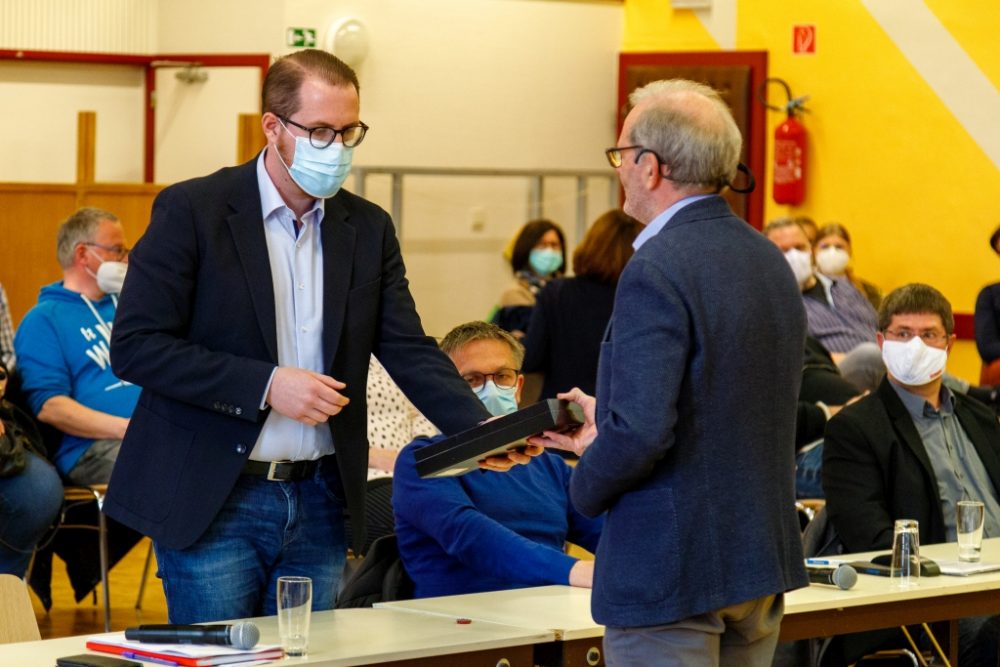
951, 341
519, 386
271, 126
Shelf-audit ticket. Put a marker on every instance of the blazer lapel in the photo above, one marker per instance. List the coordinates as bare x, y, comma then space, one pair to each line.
247, 228
338, 263
902, 423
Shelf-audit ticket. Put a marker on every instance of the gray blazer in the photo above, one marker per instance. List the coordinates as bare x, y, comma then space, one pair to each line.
696, 401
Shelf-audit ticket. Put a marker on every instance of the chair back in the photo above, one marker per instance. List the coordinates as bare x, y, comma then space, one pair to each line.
381, 577
17, 618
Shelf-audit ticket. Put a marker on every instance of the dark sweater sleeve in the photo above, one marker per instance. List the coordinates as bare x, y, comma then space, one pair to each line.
809, 424
441, 509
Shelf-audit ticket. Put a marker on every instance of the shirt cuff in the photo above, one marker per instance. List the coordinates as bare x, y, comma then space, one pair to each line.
267, 388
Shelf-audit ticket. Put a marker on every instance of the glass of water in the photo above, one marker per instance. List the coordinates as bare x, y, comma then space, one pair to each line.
971, 514
294, 608
904, 569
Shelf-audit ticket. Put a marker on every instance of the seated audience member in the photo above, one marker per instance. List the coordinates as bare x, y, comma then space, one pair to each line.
823, 393
538, 256
31, 492
65, 369
485, 531
833, 258
7, 354
913, 449
393, 421
988, 325
838, 315
571, 314
62, 349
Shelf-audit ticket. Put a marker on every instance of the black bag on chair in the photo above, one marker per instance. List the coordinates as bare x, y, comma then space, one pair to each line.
381, 577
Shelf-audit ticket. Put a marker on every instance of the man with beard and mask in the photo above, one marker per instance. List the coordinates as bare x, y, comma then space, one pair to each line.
252, 306
62, 349
67, 380
840, 318
485, 531
913, 449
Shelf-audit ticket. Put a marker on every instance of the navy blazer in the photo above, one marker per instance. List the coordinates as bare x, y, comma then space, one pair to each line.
697, 390
876, 468
196, 330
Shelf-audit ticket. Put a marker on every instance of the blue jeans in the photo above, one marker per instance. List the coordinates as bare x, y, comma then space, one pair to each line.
263, 531
29, 502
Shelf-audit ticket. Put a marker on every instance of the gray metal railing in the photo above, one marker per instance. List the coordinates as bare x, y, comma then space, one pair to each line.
536, 192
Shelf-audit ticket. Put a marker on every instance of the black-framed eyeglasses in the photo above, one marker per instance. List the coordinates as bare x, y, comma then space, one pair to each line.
505, 378
931, 337
323, 136
119, 251
614, 154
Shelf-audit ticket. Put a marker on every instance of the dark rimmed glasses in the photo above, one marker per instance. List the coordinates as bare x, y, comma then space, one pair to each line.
930, 337
614, 154
323, 136
505, 378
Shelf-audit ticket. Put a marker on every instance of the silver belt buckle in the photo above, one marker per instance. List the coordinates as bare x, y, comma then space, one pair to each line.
272, 469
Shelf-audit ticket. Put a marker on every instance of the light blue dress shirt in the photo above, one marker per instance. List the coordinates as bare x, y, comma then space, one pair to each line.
660, 221
296, 259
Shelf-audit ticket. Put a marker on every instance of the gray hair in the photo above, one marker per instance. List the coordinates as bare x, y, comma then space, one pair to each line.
466, 333
81, 227
699, 148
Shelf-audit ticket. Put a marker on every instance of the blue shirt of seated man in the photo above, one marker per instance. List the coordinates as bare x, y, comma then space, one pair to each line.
488, 531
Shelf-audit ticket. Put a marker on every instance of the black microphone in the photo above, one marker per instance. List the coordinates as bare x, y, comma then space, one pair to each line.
843, 576
243, 635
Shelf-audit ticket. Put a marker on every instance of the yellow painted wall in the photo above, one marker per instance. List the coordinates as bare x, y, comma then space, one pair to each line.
887, 157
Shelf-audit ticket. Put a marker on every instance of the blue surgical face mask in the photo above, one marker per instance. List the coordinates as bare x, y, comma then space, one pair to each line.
498, 400
318, 171
545, 261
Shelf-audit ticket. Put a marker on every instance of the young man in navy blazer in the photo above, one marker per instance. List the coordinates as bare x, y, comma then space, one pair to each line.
250, 310
689, 446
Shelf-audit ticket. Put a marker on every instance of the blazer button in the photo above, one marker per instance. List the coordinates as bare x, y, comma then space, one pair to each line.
239, 411
215, 406
241, 448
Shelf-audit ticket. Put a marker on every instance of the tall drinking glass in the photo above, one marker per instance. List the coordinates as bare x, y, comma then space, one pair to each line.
294, 609
905, 565
971, 514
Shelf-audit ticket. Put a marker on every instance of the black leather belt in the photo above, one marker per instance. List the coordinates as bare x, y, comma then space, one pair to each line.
281, 471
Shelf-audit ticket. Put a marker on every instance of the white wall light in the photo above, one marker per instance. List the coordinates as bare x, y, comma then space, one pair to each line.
348, 40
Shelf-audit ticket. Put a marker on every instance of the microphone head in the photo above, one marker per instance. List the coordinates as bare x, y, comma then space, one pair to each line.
844, 577
245, 635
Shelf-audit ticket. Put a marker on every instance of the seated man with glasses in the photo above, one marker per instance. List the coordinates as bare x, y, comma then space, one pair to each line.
62, 349
63, 358
912, 450
486, 531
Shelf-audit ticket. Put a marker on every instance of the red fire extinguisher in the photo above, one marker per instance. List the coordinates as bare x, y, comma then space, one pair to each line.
790, 149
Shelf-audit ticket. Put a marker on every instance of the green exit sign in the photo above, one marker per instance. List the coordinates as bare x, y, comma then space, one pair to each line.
301, 37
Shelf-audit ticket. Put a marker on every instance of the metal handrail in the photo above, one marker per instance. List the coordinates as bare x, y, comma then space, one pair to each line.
535, 196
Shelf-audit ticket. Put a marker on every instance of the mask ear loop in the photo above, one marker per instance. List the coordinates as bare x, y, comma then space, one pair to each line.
751, 181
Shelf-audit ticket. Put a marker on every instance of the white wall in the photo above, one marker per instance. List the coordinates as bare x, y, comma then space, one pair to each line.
38, 120
525, 84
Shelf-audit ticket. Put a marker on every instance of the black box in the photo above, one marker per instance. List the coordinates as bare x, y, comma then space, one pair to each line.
462, 452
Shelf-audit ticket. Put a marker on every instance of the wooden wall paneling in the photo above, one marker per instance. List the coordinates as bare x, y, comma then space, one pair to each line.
29, 217
250, 137
86, 143
131, 202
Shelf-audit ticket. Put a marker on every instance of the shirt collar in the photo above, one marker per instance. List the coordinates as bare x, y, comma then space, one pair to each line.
271, 201
918, 407
660, 221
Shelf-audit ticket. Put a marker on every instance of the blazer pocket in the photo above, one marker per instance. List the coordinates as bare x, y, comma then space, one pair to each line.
154, 462
639, 562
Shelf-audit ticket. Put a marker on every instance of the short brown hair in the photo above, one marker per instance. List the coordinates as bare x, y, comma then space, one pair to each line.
528, 238
466, 333
912, 299
607, 247
280, 94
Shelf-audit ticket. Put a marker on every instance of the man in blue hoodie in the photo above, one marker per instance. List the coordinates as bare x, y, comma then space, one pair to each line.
62, 348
